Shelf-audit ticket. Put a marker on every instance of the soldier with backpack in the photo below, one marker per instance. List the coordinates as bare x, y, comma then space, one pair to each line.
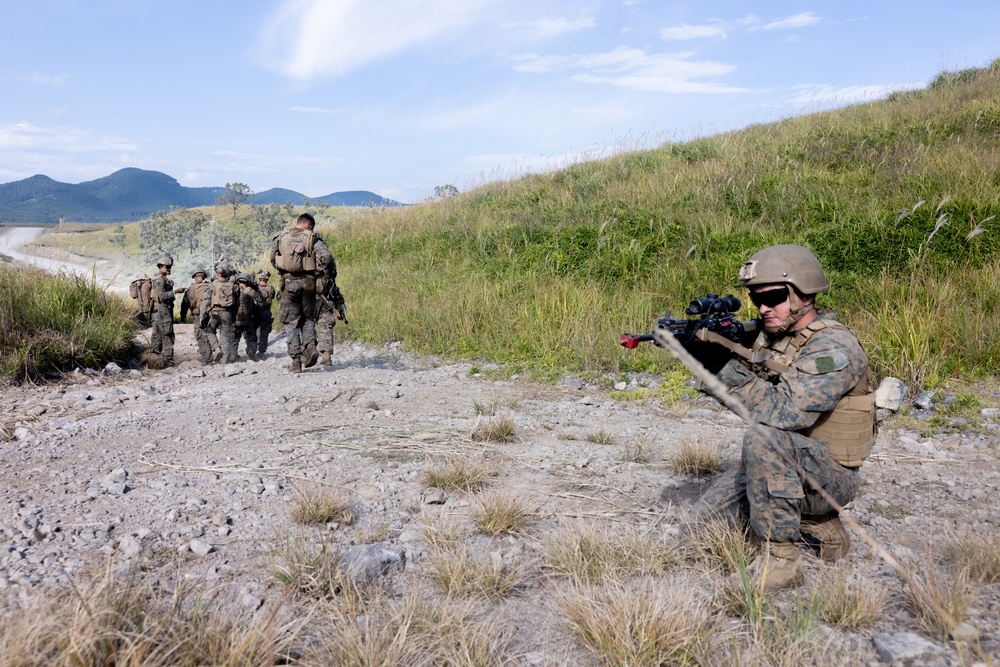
192, 299
300, 256
218, 311
266, 318
161, 342
248, 310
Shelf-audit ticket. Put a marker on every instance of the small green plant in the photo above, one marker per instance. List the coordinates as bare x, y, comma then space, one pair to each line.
501, 428
601, 437
697, 457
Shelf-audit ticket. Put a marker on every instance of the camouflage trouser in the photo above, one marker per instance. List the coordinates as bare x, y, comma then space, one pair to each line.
220, 334
264, 331
249, 334
201, 338
162, 337
297, 312
767, 492
326, 319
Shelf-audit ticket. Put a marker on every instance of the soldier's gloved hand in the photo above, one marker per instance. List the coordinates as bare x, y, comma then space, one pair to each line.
713, 357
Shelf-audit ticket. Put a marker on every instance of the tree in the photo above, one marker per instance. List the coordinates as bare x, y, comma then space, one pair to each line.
236, 195
118, 236
446, 191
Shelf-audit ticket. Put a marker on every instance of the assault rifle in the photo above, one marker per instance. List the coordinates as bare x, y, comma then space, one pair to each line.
711, 333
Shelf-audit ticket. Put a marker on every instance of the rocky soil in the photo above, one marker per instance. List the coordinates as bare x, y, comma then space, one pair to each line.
192, 470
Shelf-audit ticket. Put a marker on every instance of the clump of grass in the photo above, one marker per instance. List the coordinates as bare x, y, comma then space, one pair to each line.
590, 554
500, 428
849, 604
491, 408
601, 437
697, 457
112, 620
719, 543
309, 568
463, 474
459, 570
412, 631
59, 322
635, 452
976, 554
940, 600
642, 624
321, 506
501, 514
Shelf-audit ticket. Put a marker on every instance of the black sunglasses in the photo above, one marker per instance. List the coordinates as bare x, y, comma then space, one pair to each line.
770, 298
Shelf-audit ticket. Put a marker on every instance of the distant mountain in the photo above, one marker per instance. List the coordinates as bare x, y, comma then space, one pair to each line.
134, 194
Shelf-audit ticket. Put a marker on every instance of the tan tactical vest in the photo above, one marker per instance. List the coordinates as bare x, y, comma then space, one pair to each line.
849, 430
295, 251
196, 292
223, 296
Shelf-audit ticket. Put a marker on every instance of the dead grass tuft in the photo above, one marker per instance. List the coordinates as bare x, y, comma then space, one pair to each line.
307, 567
843, 603
461, 571
130, 621
500, 428
940, 600
601, 437
463, 474
590, 554
717, 542
698, 457
636, 452
977, 555
642, 623
312, 507
501, 514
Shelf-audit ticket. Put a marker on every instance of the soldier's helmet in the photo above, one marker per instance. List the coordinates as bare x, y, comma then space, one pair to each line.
223, 269
201, 271
263, 275
785, 264
164, 260
244, 278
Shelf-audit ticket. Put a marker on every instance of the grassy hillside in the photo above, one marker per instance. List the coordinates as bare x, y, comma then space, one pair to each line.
896, 197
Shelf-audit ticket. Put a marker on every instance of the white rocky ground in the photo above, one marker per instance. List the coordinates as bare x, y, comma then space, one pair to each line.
191, 470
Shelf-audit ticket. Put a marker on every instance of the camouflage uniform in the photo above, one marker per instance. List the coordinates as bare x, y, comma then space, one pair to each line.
297, 296
764, 489
266, 317
218, 320
327, 311
162, 319
193, 296
247, 316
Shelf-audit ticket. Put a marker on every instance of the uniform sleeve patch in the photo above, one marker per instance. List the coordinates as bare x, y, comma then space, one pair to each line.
825, 365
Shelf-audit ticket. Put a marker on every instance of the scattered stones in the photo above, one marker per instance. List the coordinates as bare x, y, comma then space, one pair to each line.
891, 394
200, 548
364, 564
113, 369
435, 497
924, 400
898, 646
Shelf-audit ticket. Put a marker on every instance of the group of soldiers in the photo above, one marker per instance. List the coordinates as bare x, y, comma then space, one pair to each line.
236, 306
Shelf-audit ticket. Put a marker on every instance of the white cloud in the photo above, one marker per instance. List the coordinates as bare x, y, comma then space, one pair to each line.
312, 110
686, 31
307, 39
818, 95
550, 26
800, 20
634, 69
24, 136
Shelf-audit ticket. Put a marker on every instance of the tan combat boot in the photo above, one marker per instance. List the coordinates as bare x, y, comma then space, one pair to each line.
296, 366
827, 529
780, 567
311, 355
325, 360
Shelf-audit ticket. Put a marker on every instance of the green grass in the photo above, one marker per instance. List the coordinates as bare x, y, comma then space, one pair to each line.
544, 272
57, 323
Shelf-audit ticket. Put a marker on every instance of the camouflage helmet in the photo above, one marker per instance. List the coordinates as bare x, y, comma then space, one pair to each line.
244, 278
223, 269
201, 271
785, 265
263, 275
164, 260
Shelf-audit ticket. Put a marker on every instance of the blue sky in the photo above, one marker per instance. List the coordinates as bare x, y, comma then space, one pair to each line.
398, 96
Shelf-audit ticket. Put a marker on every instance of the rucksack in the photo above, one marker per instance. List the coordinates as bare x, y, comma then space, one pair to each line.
295, 251
141, 289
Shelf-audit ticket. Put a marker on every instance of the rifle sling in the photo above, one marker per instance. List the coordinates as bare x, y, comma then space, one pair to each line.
761, 357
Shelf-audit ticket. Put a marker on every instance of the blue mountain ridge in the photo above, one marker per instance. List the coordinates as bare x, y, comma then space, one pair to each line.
132, 194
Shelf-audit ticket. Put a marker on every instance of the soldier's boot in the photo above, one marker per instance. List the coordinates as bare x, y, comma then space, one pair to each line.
217, 355
325, 360
826, 536
252, 352
779, 568
311, 355
296, 366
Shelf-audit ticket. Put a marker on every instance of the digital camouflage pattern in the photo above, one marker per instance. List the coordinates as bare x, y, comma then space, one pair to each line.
162, 319
246, 319
218, 329
266, 320
297, 298
764, 490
